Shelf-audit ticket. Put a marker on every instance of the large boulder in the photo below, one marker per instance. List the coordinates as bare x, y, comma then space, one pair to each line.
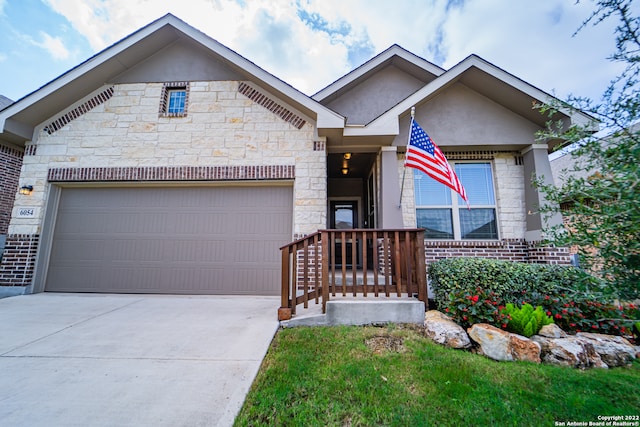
441, 329
504, 346
568, 351
613, 350
552, 331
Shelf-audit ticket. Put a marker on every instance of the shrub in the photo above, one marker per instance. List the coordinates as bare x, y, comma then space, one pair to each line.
474, 290
468, 307
583, 314
525, 320
508, 280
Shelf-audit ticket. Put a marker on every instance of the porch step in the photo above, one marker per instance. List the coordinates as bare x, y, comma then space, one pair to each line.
363, 312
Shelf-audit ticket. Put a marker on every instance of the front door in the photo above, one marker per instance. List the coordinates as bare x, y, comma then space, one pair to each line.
344, 216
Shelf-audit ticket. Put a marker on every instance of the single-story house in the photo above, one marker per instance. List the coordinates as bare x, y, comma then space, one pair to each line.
168, 163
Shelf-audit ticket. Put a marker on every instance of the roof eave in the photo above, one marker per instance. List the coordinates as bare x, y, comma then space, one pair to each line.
376, 61
383, 122
324, 116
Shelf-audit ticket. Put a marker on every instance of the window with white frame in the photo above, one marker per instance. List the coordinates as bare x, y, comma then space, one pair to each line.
176, 103
445, 216
174, 99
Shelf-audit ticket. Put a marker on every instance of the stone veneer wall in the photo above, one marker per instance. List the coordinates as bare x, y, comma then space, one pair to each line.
508, 174
508, 178
223, 130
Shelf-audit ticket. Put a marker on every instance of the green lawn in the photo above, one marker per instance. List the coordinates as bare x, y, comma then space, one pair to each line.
394, 376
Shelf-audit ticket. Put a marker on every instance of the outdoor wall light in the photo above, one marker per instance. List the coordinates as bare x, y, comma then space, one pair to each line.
26, 190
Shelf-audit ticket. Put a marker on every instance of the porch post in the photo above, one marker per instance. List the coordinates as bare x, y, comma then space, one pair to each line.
536, 165
390, 212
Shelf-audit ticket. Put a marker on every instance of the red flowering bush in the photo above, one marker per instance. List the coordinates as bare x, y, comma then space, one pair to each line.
579, 314
467, 308
474, 290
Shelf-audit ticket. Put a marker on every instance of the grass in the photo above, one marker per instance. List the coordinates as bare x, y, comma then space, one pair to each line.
394, 376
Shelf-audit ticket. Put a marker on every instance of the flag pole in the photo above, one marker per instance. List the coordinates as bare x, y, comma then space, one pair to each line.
404, 171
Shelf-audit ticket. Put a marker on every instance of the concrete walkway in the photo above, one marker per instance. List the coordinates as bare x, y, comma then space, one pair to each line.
130, 360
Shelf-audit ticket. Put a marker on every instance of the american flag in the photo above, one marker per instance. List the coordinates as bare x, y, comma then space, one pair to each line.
423, 154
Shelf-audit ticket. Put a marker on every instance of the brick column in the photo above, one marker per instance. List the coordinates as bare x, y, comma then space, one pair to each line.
11, 161
19, 259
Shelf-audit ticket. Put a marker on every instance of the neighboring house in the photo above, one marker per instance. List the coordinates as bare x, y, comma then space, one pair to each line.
564, 166
571, 165
169, 163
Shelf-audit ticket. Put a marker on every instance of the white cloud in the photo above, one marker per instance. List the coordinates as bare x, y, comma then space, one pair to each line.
532, 41
53, 45
535, 43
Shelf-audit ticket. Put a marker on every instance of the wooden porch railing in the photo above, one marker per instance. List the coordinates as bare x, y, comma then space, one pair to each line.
371, 262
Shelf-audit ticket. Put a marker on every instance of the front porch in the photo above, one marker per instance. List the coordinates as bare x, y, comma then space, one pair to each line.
375, 263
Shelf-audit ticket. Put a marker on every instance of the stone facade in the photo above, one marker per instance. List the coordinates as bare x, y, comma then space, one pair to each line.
508, 175
222, 127
117, 134
509, 190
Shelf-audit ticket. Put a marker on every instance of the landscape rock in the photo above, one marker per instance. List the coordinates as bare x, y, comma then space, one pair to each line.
613, 350
569, 351
441, 329
552, 331
504, 346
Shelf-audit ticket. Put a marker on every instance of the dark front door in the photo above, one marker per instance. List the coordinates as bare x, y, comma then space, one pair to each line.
344, 216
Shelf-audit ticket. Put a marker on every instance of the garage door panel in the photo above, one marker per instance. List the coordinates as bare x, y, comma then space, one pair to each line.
215, 240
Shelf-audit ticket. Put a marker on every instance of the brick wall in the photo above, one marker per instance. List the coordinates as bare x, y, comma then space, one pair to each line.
178, 173
10, 164
548, 254
19, 260
508, 249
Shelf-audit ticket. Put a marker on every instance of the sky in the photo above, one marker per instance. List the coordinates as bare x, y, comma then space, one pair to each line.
311, 43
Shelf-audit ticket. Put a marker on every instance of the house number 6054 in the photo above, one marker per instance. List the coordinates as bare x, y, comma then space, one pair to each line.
26, 212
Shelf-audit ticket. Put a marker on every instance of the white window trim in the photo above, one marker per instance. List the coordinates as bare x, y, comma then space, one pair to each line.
455, 206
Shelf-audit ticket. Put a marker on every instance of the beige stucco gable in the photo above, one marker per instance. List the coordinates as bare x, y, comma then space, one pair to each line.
181, 60
168, 47
487, 81
460, 118
370, 98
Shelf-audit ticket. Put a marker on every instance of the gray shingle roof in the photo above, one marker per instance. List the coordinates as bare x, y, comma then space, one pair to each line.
4, 102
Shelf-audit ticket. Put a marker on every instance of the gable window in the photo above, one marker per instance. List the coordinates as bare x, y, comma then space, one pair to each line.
174, 99
444, 215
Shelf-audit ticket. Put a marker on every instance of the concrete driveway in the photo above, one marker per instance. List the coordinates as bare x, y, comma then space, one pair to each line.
130, 360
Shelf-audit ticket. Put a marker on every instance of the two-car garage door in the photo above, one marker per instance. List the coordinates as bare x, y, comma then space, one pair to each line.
185, 240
